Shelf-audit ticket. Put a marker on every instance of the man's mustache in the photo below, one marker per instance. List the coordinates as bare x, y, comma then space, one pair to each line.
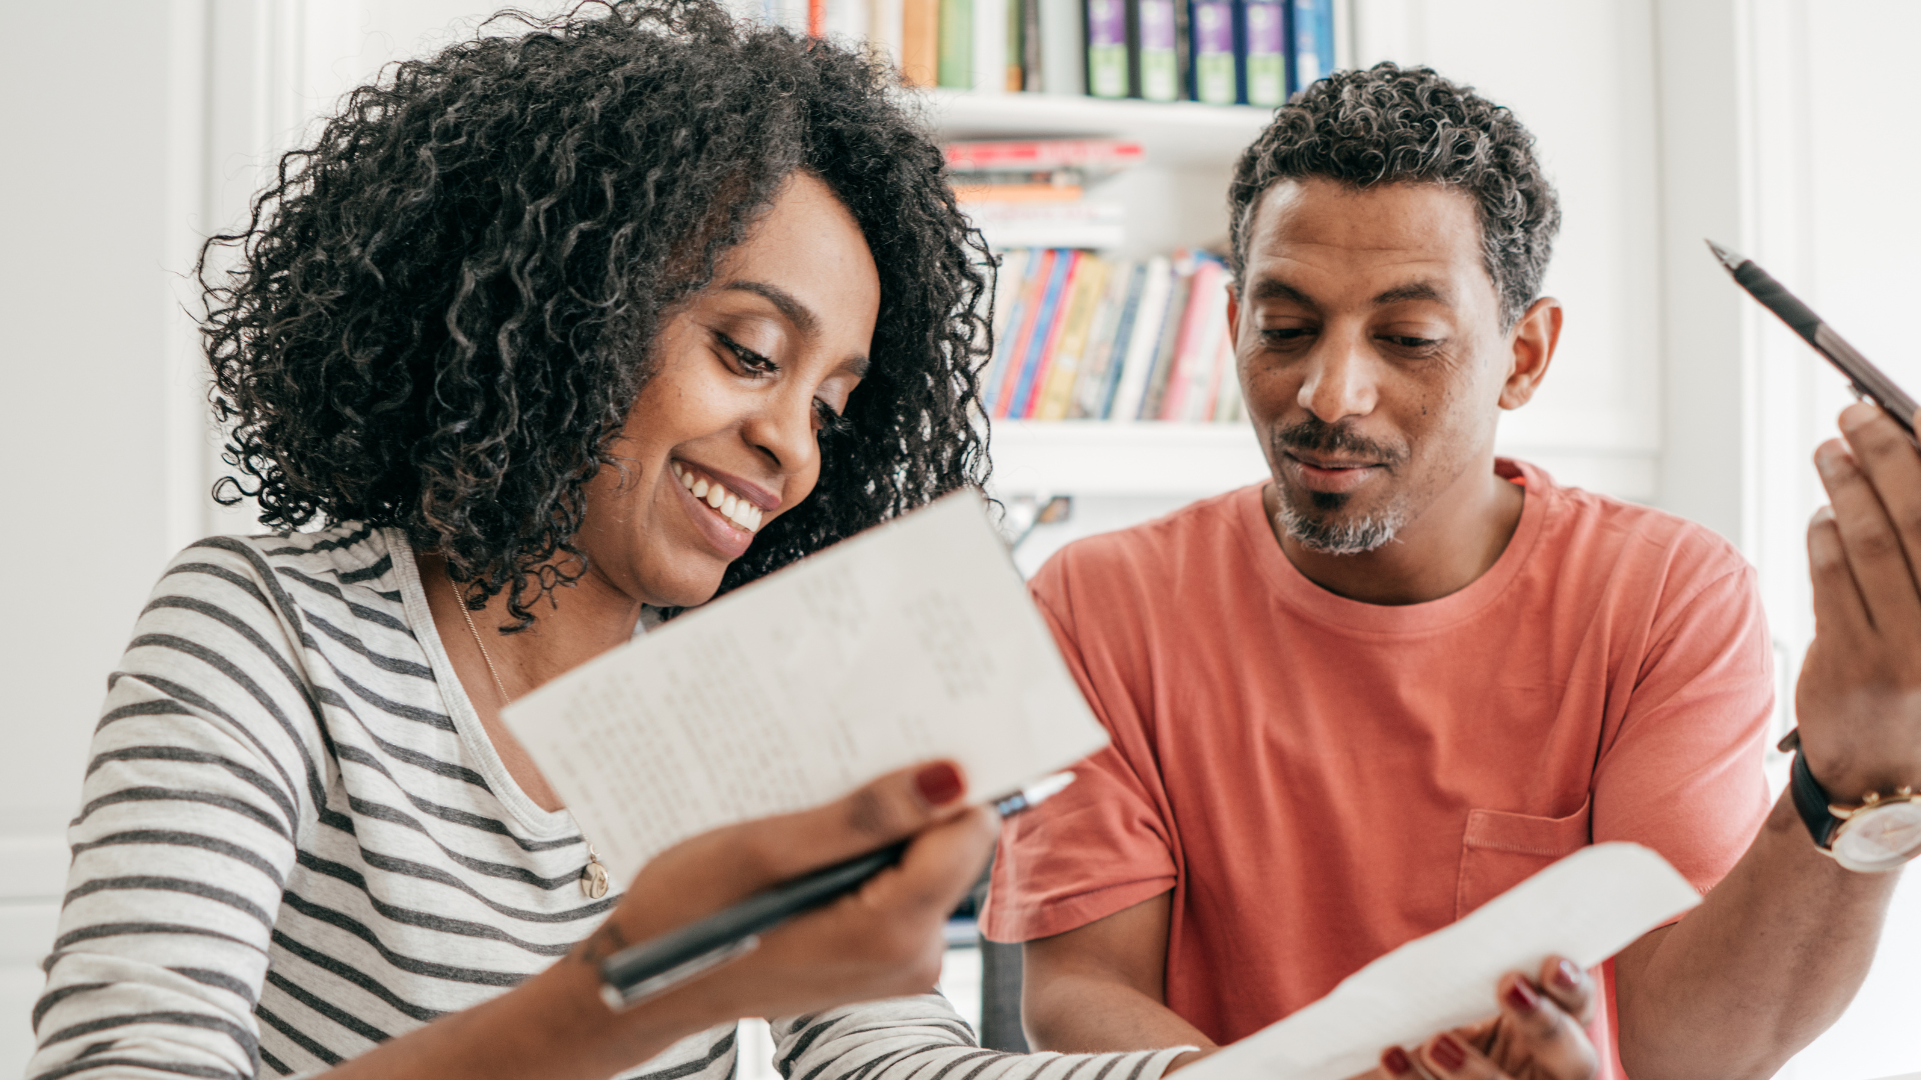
1316, 436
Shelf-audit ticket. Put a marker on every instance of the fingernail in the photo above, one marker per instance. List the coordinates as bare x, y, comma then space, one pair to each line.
1447, 1053
939, 783
1822, 516
1522, 998
1567, 976
1394, 1060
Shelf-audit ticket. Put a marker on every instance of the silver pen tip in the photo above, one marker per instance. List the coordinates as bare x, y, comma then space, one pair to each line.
1728, 258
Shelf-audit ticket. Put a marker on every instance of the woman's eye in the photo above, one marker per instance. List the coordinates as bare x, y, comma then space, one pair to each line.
754, 362
826, 420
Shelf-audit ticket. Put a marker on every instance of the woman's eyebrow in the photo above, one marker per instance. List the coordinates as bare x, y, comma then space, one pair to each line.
799, 314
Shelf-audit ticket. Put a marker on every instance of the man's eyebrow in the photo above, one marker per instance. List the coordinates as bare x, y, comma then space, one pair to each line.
799, 314
1414, 290
1276, 289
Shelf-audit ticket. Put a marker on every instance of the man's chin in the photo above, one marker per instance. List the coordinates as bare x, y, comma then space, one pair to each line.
1328, 525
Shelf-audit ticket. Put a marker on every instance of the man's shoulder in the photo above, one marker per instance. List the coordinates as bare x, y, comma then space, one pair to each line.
1637, 544
1154, 558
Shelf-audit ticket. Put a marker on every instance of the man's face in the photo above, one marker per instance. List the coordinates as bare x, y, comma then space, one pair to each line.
1371, 354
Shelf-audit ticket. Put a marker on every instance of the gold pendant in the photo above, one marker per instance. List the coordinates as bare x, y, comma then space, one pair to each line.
593, 876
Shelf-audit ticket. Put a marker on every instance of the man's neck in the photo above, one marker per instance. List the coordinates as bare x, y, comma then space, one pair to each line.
1459, 537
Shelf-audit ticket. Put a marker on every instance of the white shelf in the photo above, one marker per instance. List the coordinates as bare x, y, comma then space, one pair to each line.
1104, 458
1174, 133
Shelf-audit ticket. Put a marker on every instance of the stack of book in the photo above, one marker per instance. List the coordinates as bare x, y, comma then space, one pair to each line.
1224, 52
1077, 336
1033, 192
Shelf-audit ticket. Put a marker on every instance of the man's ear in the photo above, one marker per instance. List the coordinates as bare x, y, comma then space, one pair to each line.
1531, 344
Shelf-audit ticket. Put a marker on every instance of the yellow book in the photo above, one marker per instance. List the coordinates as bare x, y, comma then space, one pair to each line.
1090, 283
920, 42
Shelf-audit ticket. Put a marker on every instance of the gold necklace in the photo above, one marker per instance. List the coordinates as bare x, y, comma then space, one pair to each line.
593, 877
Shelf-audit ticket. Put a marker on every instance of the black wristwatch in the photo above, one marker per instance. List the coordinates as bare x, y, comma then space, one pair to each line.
1881, 833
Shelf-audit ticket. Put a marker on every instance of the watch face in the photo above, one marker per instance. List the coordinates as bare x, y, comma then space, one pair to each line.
1881, 838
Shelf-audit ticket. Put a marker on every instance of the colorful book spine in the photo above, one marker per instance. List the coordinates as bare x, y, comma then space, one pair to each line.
1264, 41
1107, 48
1039, 269
1090, 384
1166, 351
1031, 56
920, 42
1098, 403
1016, 71
1157, 56
990, 46
1143, 339
1063, 47
1043, 337
817, 18
954, 66
1010, 285
1214, 63
1313, 39
1077, 322
1190, 388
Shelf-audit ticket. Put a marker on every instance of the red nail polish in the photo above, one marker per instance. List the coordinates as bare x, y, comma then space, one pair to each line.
939, 783
1522, 998
1567, 976
1394, 1060
1447, 1053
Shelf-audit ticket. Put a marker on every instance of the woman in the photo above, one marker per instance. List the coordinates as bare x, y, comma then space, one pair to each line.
553, 332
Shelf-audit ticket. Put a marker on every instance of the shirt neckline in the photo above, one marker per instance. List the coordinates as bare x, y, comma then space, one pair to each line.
1295, 590
540, 824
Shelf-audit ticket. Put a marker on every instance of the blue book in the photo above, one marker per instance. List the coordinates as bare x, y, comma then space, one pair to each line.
1103, 404
1313, 36
1037, 347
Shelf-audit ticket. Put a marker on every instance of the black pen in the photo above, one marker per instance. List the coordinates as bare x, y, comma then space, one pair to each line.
650, 968
1868, 381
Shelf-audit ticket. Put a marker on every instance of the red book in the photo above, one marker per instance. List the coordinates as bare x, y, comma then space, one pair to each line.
1043, 155
1051, 341
1189, 345
817, 18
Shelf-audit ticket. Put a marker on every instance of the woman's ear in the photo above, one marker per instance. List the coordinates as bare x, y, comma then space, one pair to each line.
1531, 345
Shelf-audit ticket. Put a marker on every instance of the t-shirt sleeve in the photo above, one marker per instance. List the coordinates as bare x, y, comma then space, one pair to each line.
1682, 773
1107, 842
195, 796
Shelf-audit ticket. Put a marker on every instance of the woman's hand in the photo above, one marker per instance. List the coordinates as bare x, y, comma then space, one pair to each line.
1539, 1034
882, 941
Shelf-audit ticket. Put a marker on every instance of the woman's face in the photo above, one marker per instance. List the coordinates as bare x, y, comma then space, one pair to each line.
723, 438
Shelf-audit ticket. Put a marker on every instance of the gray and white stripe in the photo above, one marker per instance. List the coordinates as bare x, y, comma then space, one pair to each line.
295, 841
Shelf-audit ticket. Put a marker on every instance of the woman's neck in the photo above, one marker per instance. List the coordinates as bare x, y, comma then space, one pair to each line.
582, 622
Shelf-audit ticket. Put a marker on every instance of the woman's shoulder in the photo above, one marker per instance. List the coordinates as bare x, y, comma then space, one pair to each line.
352, 564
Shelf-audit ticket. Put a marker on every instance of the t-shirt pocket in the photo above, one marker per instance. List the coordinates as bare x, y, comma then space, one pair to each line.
1500, 850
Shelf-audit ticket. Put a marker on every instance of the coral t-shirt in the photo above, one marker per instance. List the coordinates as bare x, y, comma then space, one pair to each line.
1321, 780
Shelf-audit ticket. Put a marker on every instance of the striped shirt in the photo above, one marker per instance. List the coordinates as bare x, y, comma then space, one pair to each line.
295, 841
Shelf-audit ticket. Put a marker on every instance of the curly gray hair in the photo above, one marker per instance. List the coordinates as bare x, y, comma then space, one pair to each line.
1390, 125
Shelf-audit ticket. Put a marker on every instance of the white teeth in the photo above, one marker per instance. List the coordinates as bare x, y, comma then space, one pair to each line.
715, 495
728, 505
679, 473
700, 489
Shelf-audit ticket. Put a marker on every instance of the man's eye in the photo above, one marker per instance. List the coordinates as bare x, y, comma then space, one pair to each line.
1286, 334
1404, 341
754, 362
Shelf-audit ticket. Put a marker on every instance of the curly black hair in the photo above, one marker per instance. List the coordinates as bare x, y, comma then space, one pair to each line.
1391, 125
440, 312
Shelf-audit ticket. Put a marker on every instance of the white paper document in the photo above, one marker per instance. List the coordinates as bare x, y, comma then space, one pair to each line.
914, 640
1587, 907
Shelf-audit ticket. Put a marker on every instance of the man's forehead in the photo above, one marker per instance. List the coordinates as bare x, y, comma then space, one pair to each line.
1379, 238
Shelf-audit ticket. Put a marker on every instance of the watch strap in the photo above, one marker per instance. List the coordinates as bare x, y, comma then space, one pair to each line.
1811, 802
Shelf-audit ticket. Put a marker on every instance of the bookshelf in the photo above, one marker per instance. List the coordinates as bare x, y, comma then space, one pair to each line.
1176, 134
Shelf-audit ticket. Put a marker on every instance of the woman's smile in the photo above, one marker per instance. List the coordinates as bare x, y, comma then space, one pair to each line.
726, 511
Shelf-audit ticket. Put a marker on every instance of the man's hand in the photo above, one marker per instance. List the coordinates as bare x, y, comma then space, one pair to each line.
1859, 698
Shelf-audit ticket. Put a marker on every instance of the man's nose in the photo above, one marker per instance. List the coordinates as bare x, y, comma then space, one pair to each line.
1339, 381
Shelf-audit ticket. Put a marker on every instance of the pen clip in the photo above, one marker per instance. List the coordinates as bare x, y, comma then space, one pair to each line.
618, 999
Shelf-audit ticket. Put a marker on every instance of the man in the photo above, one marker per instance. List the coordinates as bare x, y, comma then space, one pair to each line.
1353, 704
